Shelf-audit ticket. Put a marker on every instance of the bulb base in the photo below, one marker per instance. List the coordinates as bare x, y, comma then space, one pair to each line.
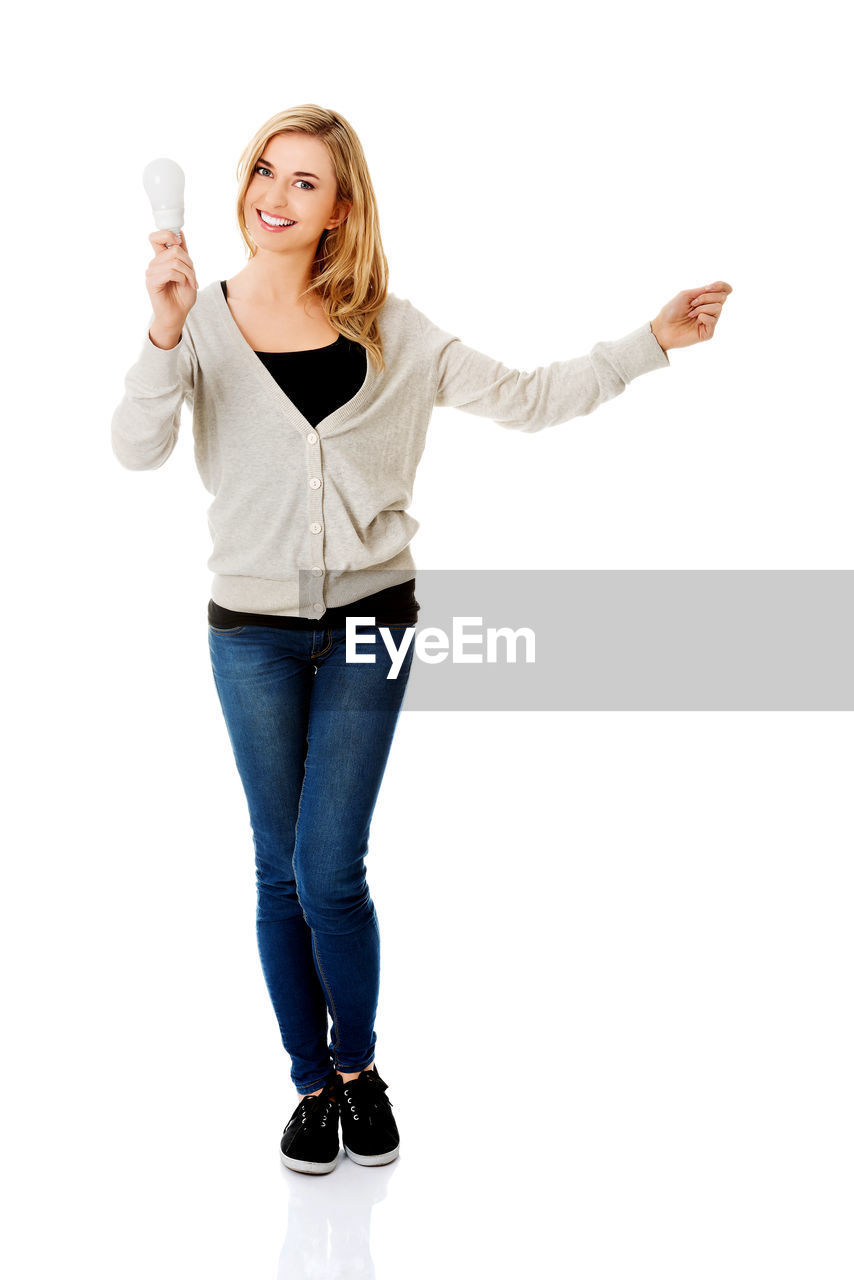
169, 219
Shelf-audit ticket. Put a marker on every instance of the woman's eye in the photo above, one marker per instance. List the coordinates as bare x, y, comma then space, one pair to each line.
262, 168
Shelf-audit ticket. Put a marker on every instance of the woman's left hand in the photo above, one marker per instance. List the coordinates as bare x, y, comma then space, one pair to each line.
691, 316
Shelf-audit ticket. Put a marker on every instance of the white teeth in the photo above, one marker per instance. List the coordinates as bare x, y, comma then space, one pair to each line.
276, 222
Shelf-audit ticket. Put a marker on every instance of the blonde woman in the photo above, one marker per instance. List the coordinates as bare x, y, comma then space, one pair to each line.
311, 387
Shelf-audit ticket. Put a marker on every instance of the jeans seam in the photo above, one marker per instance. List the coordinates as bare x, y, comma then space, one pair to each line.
314, 1085
329, 996
313, 943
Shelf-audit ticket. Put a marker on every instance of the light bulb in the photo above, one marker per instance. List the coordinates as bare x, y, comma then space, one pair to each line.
164, 183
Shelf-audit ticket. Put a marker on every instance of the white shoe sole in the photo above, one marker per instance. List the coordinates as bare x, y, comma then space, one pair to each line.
385, 1157
309, 1166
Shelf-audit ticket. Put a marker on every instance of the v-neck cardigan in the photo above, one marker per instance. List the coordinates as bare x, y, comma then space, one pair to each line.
306, 518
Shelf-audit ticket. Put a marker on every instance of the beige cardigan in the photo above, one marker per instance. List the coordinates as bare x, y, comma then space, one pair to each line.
304, 518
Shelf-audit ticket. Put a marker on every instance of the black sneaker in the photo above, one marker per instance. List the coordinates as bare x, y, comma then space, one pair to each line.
368, 1128
310, 1141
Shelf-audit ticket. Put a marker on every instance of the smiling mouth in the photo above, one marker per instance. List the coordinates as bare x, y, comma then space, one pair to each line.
275, 226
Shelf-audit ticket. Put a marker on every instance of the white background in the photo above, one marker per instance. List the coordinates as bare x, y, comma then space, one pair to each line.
615, 1016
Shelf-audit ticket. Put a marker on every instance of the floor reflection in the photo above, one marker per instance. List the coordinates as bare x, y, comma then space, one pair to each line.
329, 1221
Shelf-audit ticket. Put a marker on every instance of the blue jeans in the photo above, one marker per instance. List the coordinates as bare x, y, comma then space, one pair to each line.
311, 735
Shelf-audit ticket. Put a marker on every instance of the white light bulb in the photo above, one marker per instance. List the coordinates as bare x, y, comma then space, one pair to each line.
164, 183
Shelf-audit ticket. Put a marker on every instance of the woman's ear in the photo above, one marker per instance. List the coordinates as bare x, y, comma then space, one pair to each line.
343, 209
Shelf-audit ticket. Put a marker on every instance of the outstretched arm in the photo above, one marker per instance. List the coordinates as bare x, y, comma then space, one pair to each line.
531, 400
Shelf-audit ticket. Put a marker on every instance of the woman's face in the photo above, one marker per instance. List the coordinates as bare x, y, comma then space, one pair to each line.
293, 179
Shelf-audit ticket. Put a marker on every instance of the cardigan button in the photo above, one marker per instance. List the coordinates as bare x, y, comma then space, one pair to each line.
314, 483
315, 527
311, 438
317, 572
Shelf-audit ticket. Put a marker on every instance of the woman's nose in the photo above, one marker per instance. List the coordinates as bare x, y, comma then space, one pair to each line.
280, 198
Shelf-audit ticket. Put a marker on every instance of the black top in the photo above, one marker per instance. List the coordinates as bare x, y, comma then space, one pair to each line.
318, 382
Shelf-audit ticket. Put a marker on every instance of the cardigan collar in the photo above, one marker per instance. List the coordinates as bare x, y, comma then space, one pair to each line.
215, 301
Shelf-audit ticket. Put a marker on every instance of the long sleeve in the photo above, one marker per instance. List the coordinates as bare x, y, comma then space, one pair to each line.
146, 422
550, 394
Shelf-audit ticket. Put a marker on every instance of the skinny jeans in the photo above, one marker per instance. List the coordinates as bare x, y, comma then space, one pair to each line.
311, 734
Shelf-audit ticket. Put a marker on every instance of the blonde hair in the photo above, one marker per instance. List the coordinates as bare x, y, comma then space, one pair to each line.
350, 269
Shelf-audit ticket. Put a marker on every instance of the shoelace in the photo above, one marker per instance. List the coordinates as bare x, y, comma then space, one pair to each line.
363, 1094
310, 1109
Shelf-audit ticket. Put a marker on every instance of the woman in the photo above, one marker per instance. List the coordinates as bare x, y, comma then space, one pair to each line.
312, 388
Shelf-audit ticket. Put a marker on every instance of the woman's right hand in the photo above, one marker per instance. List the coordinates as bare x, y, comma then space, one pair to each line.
171, 281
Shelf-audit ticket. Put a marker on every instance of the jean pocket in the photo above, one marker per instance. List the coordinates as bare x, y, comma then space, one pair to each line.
226, 631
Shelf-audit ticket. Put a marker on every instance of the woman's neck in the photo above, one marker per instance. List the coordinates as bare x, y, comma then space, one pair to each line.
281, 284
